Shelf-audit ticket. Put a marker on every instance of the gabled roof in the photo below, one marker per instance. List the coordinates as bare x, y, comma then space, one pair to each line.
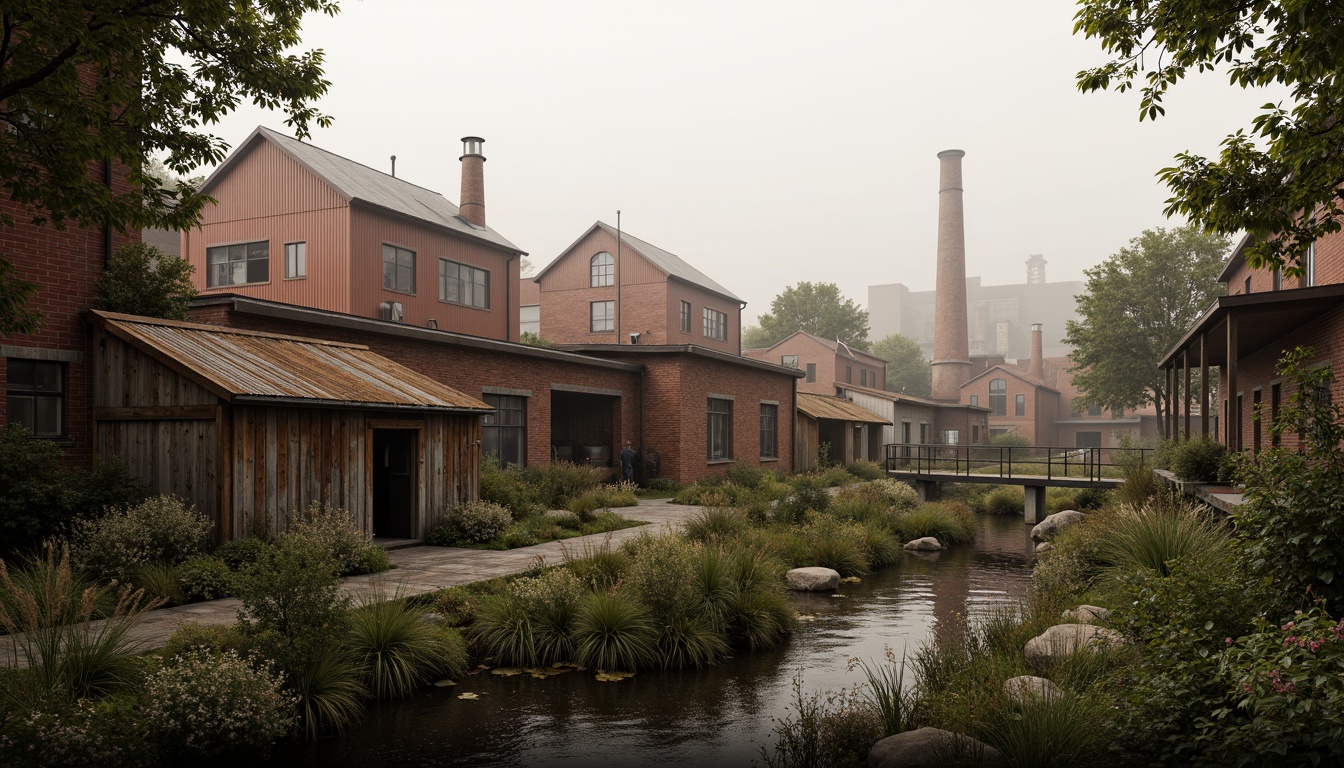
1015, 373
250, 367
669, 263
836, 346
837, 409
895, 397
356, 182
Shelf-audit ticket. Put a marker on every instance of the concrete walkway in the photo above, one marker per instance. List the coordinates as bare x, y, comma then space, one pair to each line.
420, 570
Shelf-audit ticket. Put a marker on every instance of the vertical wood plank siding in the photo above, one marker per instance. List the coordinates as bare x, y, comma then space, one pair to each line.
270, 196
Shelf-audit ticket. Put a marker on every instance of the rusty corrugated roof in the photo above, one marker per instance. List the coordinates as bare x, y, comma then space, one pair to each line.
839, 409
247, 366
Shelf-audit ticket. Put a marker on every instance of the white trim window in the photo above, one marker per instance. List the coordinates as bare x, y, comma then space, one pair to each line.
602, 269
296, 260
716, 324
238, 264
602, 317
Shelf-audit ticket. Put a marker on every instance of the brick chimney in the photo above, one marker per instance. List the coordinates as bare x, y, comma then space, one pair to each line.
472, 204
1037, 365
951, 348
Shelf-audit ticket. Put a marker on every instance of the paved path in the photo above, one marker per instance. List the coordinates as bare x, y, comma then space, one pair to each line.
422, 569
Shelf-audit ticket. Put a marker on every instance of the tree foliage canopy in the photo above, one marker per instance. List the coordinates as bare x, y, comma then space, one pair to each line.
908, 370
1278, 182
819, 309
1136, 306
86, 84
141, 280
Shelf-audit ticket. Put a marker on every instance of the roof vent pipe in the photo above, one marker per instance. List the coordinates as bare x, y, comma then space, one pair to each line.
472, 204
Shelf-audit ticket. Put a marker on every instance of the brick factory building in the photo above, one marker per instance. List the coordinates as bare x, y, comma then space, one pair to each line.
825, 363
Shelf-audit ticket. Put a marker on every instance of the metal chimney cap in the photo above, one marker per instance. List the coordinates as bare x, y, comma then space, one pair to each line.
951, 153
1035, 327
471, 145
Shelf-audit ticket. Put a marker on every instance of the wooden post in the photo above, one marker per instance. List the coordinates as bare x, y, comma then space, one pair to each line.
1204, 385
1233, 429
1185, 365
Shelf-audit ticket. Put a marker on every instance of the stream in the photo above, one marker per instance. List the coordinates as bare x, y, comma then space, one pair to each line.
718, 716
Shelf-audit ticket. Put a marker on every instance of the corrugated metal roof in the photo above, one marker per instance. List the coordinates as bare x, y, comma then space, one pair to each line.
368, 185
669, 263
246, 365
823, 407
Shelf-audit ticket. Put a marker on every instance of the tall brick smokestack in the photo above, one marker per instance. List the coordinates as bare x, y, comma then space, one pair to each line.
951, 349
1037, 365
472, 204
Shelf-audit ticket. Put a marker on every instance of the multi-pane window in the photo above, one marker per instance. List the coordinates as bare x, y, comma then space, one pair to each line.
951, 436
1020, 405
603, 269
975, 400
719, 429
504, 432
35, 396
769, 431
685, 317
716, 324
788, 361
1094, 409
603, 314
296, 260
238, 264
998, 397
398, 269
462, 284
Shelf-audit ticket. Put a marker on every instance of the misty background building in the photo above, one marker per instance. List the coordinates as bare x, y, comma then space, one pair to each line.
999, 317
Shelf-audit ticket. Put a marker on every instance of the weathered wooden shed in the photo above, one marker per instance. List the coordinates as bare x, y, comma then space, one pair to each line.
850, 431
253, 427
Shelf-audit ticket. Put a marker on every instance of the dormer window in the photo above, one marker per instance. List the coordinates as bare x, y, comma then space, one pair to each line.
603, 270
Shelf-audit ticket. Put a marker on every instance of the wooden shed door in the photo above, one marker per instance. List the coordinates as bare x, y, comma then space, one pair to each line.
394, 482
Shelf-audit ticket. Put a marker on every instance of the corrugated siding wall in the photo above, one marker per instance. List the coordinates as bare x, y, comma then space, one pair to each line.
271, 197
894, 412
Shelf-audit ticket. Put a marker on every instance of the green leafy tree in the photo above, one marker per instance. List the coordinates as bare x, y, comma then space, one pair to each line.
1291, 160
142, 280
1137, 305
105, 82
908, 370
755, 337
819, 309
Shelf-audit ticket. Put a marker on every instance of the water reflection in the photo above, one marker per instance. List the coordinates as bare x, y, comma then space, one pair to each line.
717, 716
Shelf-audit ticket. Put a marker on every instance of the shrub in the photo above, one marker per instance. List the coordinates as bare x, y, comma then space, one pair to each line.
456, 605
141, 280
291, 610
205, 577
202, 704
866, 470
1009, 440
1005, 500
477, 522
507, 488
613, 632
105, 732
373, 559
601, 567
745, 475
1093, 498
1154, 535
239, 553
834, 476
558, 482
950, 522
216, 638
1060, 499
897, 494
550, 602
1201, 461
396, 650
661, 575
334, 531
602, 497
809, 493
161, 529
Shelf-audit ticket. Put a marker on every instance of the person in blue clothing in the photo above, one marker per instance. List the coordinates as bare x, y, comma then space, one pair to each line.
628, 463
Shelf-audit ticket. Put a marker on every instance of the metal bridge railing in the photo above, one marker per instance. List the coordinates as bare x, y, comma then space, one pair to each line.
1015, 461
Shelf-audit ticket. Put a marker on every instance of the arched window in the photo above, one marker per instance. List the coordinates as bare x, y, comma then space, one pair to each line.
998, 398
603, 270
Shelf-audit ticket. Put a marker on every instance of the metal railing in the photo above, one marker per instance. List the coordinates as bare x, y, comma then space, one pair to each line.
1015, 461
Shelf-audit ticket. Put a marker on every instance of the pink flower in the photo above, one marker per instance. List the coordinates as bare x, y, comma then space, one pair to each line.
1228, 641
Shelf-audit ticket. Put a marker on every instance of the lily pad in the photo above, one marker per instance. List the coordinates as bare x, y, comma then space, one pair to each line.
613, 677
506, 671
851, 580
839, 596
806, 617
468, 696
445, 684
541, 673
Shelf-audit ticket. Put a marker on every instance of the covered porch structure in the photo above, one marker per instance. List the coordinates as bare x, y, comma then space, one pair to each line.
848, 431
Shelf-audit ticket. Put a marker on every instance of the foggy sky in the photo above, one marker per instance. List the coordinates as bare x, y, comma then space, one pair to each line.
765, 143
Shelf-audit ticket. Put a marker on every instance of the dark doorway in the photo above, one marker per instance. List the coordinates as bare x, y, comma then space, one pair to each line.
583, 428
1087, 440
394, 482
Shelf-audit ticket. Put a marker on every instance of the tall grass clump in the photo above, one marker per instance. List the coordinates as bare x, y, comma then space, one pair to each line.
614, 632
865, 470
601, 567
879, 546
1154, 535
716, 524
551, 602
503, 629
950, 522
683, 587
757, 611
889, 695
1005, 500
839, 546
397, 651
327, 687
51, 621
602, 497
1053, 732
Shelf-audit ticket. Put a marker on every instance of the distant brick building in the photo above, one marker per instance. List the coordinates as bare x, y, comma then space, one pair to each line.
1245, 333
825, 363
609, 290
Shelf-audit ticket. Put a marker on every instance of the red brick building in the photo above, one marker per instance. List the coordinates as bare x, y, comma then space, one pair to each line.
825, 363
46, 375
609, 290
300, 225
1245, 333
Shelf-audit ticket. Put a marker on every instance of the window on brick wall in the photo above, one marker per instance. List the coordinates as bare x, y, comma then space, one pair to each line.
716, 324
296, 260
603, 316
998, 397
504, 432
788, 361
1020, 405
1278, 278
769, 431
35, 396
238, 264
849, 374
463, 284
975, 399
398, 269
685, 317
719, 429
1094, 409
603, 270
811, 372
1309, 266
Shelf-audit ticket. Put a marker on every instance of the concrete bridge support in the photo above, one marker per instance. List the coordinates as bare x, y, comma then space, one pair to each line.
929, 490
1034, 510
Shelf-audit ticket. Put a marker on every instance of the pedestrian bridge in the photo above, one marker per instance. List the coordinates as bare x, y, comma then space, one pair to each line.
1034, 467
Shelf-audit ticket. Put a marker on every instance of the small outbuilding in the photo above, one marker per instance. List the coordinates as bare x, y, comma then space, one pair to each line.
847, 431
253, 427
